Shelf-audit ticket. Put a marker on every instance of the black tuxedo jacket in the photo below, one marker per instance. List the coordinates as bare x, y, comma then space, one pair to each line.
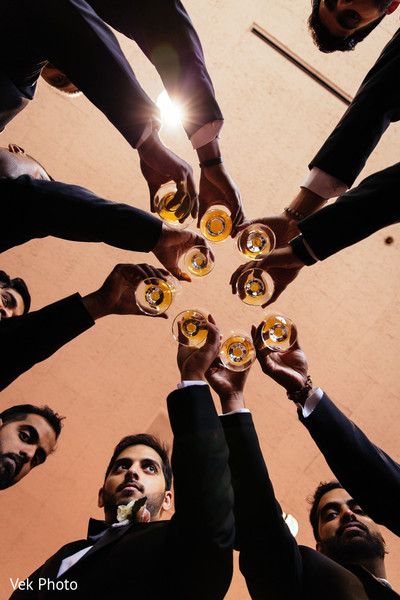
71, 36
364, 470
356, 214
164, 32
375, 106
372, 205
188, 557
274, 566
33, 208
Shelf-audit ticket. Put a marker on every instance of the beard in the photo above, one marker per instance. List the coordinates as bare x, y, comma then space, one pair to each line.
354, 549
153, 504
10, 466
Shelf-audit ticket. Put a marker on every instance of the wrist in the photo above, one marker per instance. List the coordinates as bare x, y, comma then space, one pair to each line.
231, 401
192, 376
305, 203
95, 305
149, 143
209, 151
300, 393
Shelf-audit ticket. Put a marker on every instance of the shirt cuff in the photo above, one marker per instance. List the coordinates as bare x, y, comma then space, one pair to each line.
325, 185
147, 131
234, 412
311, 402
206, 134
187, 383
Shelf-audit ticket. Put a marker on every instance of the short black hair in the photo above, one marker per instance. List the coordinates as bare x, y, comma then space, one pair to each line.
323, 488
19, 286
144, 439
327, 42
19, 412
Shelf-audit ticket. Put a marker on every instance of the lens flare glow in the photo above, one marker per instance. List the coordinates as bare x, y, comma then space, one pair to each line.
171, 112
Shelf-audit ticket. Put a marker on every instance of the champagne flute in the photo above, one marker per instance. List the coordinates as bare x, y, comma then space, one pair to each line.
154, 295
190, 328
255, 287
237, 352
256, 241
278, 332
216, 224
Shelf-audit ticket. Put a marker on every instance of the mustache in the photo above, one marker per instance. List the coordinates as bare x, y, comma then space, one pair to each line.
361, 526
135, 484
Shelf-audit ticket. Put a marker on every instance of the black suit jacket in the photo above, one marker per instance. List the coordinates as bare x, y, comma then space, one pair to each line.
164, 32
71, 36
375, 106
274, 566
364, 470
33, 208
358, 213
188, 557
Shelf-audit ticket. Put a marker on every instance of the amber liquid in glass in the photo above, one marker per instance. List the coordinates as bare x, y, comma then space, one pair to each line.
198, 262
255, 289
237, 352
255, 243
193, 327
216, 225
171, 210
158, 295
277, 333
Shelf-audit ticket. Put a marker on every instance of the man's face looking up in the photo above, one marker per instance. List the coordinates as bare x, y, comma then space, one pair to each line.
346, 533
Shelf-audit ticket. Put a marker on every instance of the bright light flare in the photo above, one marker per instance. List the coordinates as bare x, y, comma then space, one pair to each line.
171, 112
292, 523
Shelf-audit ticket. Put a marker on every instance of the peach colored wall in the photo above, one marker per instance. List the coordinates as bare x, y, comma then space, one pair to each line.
114, 379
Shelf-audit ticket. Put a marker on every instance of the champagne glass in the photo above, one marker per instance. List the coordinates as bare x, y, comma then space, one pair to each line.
255, 287
237, 352
198, 261
190, 328
256, 241
216, 224
154, 295
278, 332
172, 207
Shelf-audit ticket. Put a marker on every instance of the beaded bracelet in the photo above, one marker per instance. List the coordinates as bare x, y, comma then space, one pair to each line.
295, 214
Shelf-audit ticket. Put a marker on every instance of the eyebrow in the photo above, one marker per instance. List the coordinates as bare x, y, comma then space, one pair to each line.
151, 461
351, 503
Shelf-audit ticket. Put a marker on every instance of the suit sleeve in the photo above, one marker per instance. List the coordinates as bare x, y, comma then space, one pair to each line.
375, 106
164, 32
269, 556
358, 213
35, 209
203, 520
76, 40
364, 470
34, 337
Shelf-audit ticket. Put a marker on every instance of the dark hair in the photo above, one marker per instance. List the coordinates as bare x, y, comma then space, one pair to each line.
19, 286
327, 42
20, 412
323, 488
144, 439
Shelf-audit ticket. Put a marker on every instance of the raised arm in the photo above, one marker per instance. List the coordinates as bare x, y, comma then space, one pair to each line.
269, 556
203, 522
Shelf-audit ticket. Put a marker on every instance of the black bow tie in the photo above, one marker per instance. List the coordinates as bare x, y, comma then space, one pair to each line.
97, 527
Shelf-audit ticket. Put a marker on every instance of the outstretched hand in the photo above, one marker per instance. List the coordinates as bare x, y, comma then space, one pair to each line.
282, 265
193, 362
218, 188
159, 165
289, 368
173, 244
